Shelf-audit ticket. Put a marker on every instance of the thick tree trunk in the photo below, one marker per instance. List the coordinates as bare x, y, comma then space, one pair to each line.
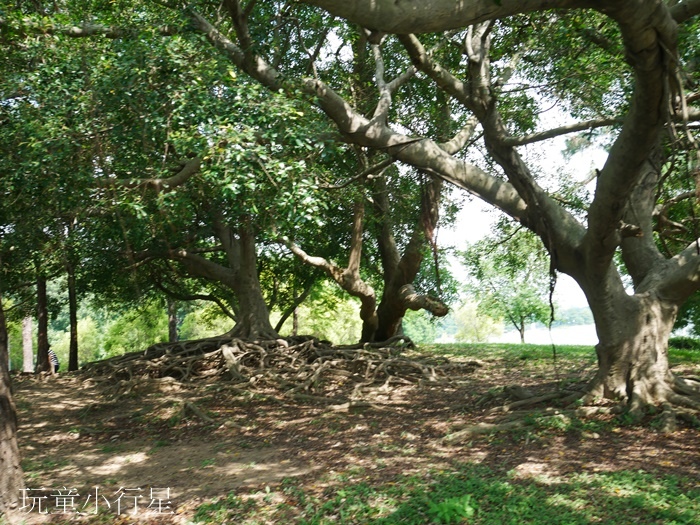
633, 350
11, 477
73, 315
253, 319
27, 345
241, 276
42, 315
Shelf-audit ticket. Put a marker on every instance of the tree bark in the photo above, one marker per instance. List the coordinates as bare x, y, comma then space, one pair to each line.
521, 331
42, 315
253, 320
632, 351
11, 476
172, 321
27, 345
73, 315
241, 276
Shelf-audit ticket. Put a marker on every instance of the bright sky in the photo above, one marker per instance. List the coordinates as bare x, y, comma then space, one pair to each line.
476, 218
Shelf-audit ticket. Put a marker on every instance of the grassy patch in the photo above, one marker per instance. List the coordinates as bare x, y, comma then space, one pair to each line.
511, 351
473, 494
678, 356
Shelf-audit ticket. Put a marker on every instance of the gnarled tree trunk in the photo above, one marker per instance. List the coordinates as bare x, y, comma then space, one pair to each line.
253, 319
241, 276
633, 349
401, 269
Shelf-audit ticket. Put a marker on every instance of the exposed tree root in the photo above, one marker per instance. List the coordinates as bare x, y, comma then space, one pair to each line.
548, 417
681, 402
678, 399
304, 369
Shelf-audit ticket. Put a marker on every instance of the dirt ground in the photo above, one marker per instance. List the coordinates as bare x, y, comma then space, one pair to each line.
86, 453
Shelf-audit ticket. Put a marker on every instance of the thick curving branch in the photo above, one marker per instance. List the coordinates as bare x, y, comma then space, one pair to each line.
419, 16
683, 279
190, 168
684, 11
649, 35
416, 301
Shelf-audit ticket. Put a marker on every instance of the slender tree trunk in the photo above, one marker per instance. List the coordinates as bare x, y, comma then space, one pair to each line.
172, 321
401, 270
27, 345
73, 314
11, 476
42, 351
521, 331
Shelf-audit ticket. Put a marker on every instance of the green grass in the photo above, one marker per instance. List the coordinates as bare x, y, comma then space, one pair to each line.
677, 356
510, 351
539, 352
474, 494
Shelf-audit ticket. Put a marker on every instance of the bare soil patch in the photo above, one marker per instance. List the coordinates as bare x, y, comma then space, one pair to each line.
204, 439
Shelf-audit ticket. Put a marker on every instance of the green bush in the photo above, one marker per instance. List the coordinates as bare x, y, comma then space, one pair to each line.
684, 343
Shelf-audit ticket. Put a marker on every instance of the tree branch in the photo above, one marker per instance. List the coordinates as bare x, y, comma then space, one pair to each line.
190, 168
562, 130
85, 30
461, 139
419, 16
684, 11
682, 279
196, 297
364, 174
295, 304
415, 301
649, 38
199, 266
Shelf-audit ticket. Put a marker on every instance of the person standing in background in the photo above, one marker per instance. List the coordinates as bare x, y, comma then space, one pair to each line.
53, 359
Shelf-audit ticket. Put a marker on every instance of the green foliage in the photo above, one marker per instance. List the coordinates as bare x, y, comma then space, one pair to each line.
232, 507
420, 326
452, 510
510, 276
684, 343
473, 326
329, 317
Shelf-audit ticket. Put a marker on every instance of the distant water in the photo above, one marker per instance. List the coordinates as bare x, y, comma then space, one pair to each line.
561, 335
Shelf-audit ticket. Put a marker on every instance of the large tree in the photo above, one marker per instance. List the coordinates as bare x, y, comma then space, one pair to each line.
636, 90
632, 328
